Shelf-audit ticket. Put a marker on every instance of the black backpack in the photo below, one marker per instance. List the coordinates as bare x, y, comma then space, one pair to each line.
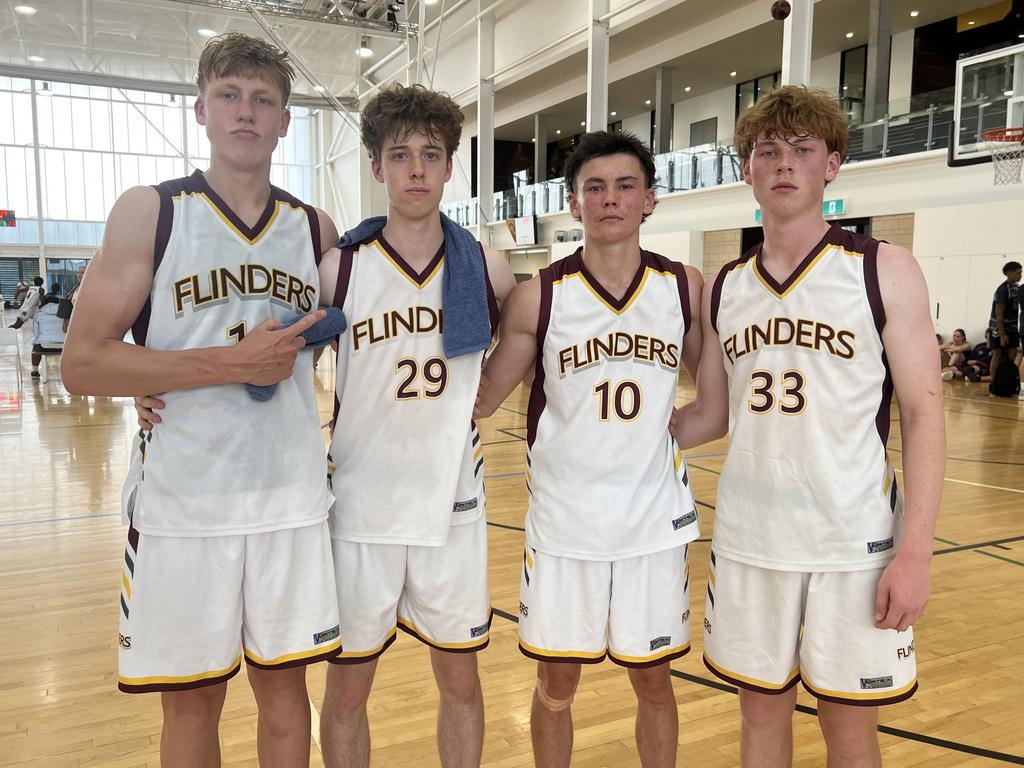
1005, 379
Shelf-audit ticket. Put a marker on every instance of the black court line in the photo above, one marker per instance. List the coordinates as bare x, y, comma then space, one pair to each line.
507, 527
511, 428
499, 442
983, 415
506, 432
511, 410
954, 746
965, 547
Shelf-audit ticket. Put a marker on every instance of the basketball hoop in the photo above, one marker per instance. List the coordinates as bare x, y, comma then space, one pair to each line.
1007, 148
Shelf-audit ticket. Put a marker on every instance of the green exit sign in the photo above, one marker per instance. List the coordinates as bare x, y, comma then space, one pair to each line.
7, 219
828, 208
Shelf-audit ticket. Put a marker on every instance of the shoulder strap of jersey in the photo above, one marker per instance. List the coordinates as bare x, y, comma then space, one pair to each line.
871, 283
164, 219
344, 275
547, 278
683, 284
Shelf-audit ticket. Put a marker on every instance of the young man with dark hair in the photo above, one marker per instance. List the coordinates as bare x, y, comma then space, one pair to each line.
409, 529
228, 549
31, 303
818, 568
611, 512
1003, 334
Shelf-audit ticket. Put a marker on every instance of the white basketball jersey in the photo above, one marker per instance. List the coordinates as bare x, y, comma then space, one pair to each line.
406, 455
221, 463
604, 476
806, 484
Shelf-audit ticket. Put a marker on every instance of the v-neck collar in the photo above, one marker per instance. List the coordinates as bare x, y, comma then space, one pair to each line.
616, 305
781, 290
419, 279
251, 234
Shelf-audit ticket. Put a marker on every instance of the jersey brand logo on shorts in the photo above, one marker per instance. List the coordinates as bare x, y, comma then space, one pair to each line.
126, 642
875, 547
328, 634
524, 609
781, 332
660, 642
685, 520
871, 683
618, 346
252, 281
479, 631
905, 653
462, 506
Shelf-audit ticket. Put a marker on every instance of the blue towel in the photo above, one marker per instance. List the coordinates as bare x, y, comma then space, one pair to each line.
467, 320
319, 334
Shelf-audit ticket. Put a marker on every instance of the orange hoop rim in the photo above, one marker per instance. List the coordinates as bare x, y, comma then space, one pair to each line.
1010, 135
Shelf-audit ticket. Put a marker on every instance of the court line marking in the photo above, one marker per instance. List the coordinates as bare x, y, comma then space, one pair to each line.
977, 548
59, 519
934, 741
510, 410
978, 485
979, 401
971, 461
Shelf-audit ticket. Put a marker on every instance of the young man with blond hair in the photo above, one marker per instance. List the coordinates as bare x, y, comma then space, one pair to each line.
228, 549
818, 566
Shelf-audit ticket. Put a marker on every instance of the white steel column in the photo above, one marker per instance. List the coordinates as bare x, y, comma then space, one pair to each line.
485, 118
796, 43
36, 151
597, 66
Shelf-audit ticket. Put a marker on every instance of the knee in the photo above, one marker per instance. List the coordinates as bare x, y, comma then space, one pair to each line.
347, 691
193, 711
556, 685
653, 684
279, 691
850, 732
459, 683
767, 711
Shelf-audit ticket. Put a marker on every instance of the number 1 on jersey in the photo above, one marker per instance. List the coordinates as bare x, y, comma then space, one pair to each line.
626, 400
237, 332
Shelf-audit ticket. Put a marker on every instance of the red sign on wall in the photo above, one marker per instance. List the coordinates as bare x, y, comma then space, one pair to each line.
7, 219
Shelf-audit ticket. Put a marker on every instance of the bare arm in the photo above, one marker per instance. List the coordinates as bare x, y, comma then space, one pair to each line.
903, 588
516, 350
97, 361
503, 282
694, 336
707, 417
328, 232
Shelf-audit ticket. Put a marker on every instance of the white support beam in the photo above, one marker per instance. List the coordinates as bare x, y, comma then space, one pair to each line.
876, 79
597, 66
540, 148
662, 110
485, 116
796, 43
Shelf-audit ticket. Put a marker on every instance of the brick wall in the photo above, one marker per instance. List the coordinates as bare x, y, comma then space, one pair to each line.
897, 229
720, 247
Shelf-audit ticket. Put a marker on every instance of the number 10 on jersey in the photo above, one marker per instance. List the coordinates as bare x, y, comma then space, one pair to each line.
624, 399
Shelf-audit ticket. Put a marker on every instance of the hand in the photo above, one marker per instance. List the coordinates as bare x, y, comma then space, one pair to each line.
146, 407
267, 355
902, 592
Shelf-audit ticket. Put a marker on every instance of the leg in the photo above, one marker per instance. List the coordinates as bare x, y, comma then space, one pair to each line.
766, 735
551, 713
460, 717
344, 729
851, 735
657, 719
189, 736
282, 734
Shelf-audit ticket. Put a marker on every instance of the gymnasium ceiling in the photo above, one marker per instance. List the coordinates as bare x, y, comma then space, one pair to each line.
159, 40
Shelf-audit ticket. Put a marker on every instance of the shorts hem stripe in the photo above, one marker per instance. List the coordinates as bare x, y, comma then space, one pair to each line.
651, 661
565, 657
359, 657
864, 699
749, 684
470, 647
295, 659
184, 683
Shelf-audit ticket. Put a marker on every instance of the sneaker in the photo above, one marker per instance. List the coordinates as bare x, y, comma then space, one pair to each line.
35, 374
1021, 395
971, 373
947, 375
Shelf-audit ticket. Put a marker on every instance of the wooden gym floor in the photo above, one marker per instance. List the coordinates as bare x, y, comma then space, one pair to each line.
62, 461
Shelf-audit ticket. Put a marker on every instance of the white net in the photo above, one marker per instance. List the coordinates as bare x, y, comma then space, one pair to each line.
1007, 150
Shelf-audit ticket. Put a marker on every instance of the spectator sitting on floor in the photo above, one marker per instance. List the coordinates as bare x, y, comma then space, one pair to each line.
977, 366
953, 352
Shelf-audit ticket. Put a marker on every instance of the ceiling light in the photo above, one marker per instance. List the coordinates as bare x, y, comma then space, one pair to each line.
364, 50
1007, 93
914, 14
687, 89
171, 100
25, 10
732, 74
36, 59
206, 32
534, 140
970, 23
319, 88
429, 2
45, 90
648, 102
1021, 37
583, 123
613, 113
559, 131
849, 35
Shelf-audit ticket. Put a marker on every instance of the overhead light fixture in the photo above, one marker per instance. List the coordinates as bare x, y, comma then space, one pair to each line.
534, 140
172, 101
583, 123
648, 102
204, 32
25, 10
1021, 37
559, 131
319, 88
45, 90
732, 74
613, 113
36, 59
970, 23
914, 14
687, 89
1007, 93
364, 50
849, 35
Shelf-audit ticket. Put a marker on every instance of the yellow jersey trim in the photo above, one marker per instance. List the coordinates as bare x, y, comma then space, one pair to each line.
753, 680
426, 281
409, 626
564, 654
163, 679
872, 696
373, 651
648, 659
251, 241
804, 272
292, 656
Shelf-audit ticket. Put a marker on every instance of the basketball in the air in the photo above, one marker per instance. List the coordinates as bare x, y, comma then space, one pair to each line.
781, 9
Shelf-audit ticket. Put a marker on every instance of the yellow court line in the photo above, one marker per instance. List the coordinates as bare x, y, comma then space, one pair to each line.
314, 723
